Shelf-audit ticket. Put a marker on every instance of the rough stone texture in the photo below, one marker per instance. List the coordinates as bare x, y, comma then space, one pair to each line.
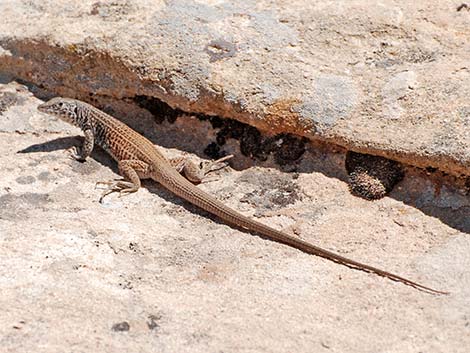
389, 78
150, 273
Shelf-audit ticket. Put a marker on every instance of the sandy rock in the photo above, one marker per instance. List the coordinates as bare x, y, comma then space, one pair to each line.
389, 79
149, 272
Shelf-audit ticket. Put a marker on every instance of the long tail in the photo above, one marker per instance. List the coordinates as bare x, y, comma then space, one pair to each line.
315, 250
196, 196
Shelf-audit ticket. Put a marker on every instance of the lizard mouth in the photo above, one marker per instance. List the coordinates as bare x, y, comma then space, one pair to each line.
43, 108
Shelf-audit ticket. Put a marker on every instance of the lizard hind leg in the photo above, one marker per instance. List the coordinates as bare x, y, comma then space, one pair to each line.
197, 173
132, 171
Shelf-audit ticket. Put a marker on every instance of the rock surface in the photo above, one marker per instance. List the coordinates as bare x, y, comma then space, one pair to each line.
150, 273
390, 79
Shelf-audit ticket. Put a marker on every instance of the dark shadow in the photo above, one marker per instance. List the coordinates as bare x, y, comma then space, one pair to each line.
457, 217
5, 78
167, 195
61, 143
65, 143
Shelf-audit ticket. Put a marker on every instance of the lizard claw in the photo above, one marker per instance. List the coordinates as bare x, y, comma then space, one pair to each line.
118, 185
217, 164
125, 192
109, 182
107, 192
113, 186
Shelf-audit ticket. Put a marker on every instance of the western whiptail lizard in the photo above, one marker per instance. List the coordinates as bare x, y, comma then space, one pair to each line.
139, 159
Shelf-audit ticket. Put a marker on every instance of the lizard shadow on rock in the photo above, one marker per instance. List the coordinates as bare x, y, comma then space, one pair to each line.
64, 143
61, 143
157, 189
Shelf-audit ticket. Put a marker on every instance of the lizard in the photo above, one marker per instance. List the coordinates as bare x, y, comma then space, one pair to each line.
138, 158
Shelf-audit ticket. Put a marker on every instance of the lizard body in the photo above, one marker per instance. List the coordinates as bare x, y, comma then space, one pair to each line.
138, 159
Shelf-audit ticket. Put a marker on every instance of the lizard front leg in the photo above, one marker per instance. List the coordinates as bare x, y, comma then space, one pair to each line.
83, 152
197, 173
132, 171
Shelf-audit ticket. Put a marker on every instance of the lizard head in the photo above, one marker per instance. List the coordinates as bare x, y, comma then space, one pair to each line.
65, 109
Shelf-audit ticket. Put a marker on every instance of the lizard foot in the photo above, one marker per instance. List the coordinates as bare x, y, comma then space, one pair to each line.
209, 167
197, 173
75, 154
120, 186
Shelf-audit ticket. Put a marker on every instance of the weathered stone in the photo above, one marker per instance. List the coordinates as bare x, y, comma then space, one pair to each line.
389, 79
147, 272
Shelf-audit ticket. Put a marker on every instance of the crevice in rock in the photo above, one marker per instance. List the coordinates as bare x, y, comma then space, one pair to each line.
284, 147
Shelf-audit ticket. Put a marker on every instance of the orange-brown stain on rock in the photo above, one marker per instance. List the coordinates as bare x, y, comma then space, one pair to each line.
281, 117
